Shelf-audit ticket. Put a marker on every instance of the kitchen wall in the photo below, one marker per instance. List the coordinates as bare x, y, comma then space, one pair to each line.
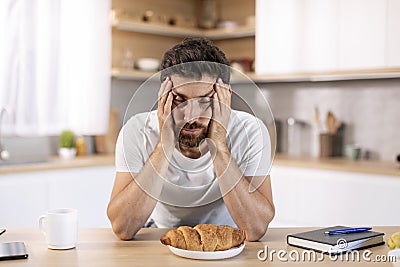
369, 108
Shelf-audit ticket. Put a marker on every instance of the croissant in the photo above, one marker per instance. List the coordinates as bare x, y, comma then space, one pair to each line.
204, 237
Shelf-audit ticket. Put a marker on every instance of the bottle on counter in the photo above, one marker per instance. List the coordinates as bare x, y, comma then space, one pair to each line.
80, 145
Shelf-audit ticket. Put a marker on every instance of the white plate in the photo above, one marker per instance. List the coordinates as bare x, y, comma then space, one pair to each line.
207, 255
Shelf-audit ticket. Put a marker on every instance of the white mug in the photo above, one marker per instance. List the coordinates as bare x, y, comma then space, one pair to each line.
60, 226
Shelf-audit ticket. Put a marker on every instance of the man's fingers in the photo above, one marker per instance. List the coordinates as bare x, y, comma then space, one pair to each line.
163, 90
160, 95
162, 87
224, 91
223, 87
224, 94
168, 104
216, 105
163, 97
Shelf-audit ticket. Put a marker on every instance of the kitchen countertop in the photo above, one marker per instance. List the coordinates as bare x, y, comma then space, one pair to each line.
334, 164
340, 164
56, 163
100, 247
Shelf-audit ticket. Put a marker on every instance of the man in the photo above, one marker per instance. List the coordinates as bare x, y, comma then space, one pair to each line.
193, 160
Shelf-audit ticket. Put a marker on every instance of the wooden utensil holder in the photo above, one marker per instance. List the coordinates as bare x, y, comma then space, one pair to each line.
326, 145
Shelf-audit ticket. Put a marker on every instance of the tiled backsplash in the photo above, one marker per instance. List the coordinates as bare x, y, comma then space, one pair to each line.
370, 109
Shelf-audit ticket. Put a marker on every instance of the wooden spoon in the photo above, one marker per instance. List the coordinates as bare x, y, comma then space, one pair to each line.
330, 122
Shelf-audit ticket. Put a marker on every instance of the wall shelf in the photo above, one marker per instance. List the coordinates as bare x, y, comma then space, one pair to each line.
384, 73
181, 32
137, 75
130, 74
359, 74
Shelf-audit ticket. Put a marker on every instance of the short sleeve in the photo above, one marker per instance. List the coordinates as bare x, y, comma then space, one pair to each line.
130, 150
256, 148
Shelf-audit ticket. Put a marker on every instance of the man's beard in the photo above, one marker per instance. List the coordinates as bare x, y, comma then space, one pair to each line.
191, 140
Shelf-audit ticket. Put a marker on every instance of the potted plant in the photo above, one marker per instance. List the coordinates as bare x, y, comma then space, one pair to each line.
67, 148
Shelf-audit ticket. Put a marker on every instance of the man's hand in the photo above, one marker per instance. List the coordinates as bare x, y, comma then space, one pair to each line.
167, 135
221, 114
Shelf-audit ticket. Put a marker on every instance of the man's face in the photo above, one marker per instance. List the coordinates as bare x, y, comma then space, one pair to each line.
192, 108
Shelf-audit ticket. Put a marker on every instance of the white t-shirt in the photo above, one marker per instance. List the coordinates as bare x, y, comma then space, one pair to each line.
191, 193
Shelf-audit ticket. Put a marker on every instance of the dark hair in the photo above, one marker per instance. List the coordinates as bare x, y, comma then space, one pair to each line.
208, 57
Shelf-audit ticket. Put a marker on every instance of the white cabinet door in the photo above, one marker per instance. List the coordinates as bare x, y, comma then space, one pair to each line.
297, 36
86, 189
362, 34
318, 45
393, 33
309, 197
277, 37
23, 198
313, 35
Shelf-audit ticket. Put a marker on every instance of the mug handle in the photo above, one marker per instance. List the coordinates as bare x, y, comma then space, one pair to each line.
41, 225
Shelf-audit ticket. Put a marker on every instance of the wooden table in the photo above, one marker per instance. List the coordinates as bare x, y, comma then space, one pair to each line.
99, 247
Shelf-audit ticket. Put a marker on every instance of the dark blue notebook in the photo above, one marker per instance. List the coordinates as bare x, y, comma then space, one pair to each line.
13, 251
319, 241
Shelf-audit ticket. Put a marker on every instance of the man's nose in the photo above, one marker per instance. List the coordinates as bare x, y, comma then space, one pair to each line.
191, 110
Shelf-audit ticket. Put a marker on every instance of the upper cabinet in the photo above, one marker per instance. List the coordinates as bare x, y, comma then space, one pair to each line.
291, 40
146, 29
362, 34
393, 33
332, 37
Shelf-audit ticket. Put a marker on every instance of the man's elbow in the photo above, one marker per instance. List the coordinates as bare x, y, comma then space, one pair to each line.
121, 231
119, 228
122, 234
255, 233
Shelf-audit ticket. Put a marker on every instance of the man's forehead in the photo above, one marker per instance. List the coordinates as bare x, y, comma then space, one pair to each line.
178, 80
190, 86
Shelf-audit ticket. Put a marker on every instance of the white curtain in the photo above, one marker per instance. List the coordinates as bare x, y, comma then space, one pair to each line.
55, 58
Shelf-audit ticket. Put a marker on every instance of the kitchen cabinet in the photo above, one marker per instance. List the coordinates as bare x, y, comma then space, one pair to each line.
296, 36
393, 33
26, 196
154, 36
22, 200
311, 197
362, 34
328, 37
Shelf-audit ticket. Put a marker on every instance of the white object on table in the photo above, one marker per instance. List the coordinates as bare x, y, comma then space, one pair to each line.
207, 255
60, 226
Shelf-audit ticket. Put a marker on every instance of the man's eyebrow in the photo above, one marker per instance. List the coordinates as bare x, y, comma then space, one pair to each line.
185, 97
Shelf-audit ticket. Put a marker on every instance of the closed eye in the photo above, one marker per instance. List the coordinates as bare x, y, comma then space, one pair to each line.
178, 100
205, 102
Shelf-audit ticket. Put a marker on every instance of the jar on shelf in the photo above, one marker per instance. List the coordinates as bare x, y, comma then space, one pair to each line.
128, 60
208, 15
